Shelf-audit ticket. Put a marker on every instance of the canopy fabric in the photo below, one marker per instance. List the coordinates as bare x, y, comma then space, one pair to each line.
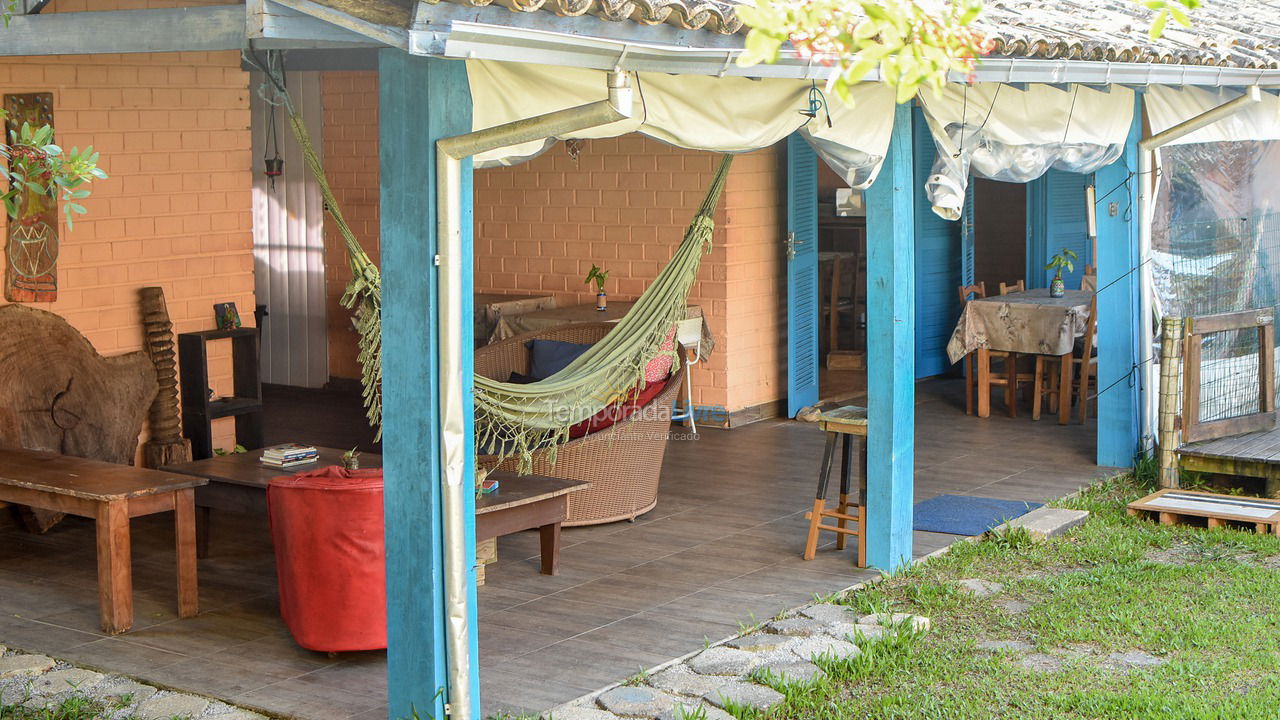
697, 112
515, 420
1169, 106
1003, 132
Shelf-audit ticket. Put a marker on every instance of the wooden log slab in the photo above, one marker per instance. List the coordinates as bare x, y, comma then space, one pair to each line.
68, 398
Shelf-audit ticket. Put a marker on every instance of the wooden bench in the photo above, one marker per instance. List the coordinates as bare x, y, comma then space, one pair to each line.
111, 494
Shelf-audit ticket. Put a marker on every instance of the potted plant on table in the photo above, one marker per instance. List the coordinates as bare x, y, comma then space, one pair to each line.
602, 298
1065, 259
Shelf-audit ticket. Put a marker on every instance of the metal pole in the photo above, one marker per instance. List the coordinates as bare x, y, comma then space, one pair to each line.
450, 152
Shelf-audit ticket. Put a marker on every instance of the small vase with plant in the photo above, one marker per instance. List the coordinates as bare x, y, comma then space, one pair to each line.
602, 298
351, 459
1065, 259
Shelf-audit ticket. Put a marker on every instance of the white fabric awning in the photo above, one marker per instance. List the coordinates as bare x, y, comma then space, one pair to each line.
1169, 106
698, 112
1002, 132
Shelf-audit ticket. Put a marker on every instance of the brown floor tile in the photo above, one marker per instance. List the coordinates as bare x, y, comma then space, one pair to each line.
721, 549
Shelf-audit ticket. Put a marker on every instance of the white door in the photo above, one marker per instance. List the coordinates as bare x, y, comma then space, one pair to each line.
288, 243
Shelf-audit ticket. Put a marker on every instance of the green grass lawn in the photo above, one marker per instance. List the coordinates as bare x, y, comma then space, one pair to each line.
1206, 602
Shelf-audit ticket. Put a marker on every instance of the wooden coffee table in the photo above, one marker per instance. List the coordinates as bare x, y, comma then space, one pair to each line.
238, 482
524, 503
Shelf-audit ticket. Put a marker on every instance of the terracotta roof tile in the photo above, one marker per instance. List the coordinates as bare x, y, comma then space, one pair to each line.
1239, 33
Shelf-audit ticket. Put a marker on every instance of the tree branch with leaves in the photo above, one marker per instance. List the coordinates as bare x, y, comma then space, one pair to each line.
35, 166
913, 44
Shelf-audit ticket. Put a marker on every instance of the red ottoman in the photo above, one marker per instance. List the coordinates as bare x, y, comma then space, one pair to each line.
330, 558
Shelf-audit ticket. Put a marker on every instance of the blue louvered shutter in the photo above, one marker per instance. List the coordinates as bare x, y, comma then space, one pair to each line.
966, 238
1057, 219
802, 275
938, 265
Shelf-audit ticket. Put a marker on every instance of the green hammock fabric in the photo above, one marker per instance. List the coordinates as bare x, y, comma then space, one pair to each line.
517, 420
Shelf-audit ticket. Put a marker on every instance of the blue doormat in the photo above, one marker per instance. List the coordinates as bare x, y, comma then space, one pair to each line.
966, 514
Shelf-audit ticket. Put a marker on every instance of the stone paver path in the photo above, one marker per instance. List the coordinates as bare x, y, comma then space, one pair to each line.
38, 681
790, 650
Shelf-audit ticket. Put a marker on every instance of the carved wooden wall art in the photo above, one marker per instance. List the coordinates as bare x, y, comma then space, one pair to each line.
31, 243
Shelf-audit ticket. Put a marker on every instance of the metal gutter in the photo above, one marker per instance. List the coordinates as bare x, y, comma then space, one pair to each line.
483, 40
450, 152
1146, 212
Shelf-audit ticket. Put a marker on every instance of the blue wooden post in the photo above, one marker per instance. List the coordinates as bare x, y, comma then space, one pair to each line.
1119, 306
891, 352
421, 100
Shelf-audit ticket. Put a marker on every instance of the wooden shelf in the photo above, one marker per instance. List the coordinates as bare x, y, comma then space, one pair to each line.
198, 411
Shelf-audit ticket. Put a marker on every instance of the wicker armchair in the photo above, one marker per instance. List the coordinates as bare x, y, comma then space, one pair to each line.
622, 462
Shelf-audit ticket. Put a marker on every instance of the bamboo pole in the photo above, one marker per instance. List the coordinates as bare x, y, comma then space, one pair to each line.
1170, 367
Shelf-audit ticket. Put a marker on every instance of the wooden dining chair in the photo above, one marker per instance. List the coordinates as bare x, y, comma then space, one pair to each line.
1006, 288
1087, 361
1084, 372
1089, 280
1008, 377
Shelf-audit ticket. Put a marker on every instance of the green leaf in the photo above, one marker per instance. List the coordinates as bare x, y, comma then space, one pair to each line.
1157, 25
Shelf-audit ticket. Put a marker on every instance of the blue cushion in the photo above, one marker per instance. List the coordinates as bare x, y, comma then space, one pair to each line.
548, 357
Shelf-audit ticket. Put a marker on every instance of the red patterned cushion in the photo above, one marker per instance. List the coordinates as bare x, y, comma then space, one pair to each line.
639, 397
660, 366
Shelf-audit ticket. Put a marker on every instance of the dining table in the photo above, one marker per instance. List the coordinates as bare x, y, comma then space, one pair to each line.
1030, 322
512, 325
490, 308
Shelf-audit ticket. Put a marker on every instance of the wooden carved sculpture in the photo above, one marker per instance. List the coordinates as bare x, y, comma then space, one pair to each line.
67, 397
166, 446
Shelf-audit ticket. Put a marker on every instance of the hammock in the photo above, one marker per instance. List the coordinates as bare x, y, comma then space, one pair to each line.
516, 420
511, 419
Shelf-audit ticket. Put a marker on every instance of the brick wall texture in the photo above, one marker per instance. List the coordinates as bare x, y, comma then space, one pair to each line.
622, 203
173, 130
350, 147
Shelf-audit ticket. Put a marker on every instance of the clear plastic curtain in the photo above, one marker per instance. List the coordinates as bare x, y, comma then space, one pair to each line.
1016, 134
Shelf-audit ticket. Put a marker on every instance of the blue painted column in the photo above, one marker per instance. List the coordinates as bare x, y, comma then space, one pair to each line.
891, 352
421, 100
1119, 306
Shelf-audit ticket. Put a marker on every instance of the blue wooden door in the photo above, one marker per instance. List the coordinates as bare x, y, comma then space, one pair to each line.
802, 275
938, 265
1057, 219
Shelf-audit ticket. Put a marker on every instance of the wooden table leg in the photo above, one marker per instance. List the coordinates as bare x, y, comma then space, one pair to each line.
1064, 390
203, 515
984, 382
184, 514
549, 537
115, 573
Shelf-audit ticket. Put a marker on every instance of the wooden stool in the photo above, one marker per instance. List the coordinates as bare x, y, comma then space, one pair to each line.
848, 421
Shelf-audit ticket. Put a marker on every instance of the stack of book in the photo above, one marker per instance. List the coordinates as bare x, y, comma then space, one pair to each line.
289, 455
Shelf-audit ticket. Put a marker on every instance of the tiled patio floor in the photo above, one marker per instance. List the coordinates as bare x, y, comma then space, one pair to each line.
721, 548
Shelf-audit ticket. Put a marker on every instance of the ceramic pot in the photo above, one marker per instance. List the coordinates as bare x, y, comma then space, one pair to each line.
1057, 288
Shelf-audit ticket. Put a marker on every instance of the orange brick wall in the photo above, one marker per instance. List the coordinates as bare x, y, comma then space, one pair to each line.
173, 130
350, 101
755, 316
623, 203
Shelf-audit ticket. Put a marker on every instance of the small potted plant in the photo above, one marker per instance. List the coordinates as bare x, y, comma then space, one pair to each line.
351, 459
1065, 259
602, 298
